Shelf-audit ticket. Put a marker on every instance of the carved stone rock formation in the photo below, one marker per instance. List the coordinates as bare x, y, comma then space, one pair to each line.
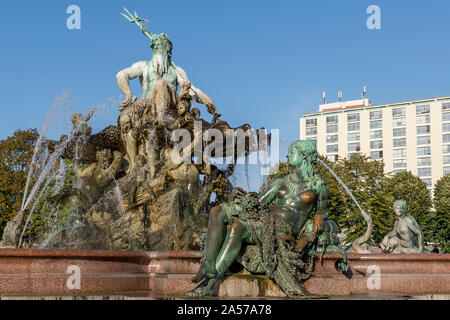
155, 205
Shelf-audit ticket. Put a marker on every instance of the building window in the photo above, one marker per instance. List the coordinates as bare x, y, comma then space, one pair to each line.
376, 154
332, 129
427, 181
400, 153
399, 163
423, 129
332, 139
422, 162
376, 124
311, 122
446, 159
423, 109
446, 170
354, 126
423, 119
424, 172
446, 116
399, 170
423, 151
378, 144
333, 157
353, 136
446, 148
400, 142
399, 122
376, 115
332, 120
354, 147
378, 134
399, 132
353, 117
446, 127
397, 112
311, 131
446, 138
332, 148
423, 140
446, 107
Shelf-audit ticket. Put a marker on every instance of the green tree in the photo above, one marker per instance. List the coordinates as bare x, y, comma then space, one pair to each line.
440, 219
407, 186
363, 176
16, 153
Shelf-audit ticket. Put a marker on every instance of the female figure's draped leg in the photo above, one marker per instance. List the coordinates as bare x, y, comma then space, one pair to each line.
236, 234
214, 240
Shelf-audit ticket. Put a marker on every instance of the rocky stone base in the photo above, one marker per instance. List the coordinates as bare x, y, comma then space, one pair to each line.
114, 225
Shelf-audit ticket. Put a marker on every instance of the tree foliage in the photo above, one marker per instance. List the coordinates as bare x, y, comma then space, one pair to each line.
407, 186
15, 158
440, 219
363, 177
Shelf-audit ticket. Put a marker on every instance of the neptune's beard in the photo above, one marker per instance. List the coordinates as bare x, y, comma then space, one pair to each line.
160, 63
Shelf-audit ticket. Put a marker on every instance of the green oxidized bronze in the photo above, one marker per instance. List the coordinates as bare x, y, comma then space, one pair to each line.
271, 232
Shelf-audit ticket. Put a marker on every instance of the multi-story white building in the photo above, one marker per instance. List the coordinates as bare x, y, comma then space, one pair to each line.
409, 135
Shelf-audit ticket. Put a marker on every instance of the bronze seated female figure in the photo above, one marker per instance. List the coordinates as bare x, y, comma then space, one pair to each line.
277, 222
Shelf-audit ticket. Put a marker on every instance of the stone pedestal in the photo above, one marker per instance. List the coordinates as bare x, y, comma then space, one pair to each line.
38, 272
44, 272
416, 273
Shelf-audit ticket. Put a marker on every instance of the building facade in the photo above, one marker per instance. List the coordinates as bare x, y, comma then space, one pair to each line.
409, 135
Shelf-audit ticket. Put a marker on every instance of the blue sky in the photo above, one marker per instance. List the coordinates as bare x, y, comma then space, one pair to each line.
263, 63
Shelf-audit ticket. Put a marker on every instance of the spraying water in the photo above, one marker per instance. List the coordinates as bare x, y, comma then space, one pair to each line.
339, 180
43, 163
46, 170
60, 177
62, 101
34, 161
44, 179
45, 243
358, 244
